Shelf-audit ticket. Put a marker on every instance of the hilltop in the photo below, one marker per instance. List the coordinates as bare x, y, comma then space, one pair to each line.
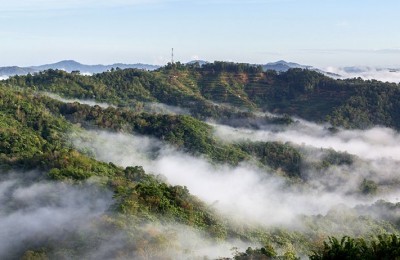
210, 91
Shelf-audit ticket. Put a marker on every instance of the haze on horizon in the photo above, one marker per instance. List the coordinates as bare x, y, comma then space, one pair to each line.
311, 32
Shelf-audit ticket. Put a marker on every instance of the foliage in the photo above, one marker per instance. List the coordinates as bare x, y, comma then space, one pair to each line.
276, 155
35, 255
333, 157
383, 247
266, 252
34, 138
368, 187
148, 197
183, 132
34, 130
351, 103
382, 210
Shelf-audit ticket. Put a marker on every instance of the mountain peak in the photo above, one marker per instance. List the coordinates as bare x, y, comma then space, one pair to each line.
282, 65
68, 62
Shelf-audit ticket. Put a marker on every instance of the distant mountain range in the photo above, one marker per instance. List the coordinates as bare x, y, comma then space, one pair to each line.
71, 65
14, 70
279, 66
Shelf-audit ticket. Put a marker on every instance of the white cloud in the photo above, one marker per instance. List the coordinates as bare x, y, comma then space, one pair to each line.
367, 73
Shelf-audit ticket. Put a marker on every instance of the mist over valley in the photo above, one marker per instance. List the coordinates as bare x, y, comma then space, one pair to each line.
188, 161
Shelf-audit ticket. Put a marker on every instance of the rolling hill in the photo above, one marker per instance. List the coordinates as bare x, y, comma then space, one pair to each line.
125, 181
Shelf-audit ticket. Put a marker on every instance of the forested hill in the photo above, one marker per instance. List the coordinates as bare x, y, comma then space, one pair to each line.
206, 90
81, 181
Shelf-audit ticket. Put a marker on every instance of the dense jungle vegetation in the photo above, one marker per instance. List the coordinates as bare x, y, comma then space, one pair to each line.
35, 132
351, 103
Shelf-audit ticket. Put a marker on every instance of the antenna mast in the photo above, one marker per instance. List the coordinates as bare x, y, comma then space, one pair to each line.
172, 56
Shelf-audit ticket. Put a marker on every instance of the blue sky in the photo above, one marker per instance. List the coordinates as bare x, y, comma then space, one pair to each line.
314, 32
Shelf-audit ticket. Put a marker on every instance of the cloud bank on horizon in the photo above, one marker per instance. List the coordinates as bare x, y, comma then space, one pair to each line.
367, 73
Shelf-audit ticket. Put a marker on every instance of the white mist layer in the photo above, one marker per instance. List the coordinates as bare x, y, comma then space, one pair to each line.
375, 143
367, 73
81, 101
186, 243
157, 108
36, 210
244, 192
160, 108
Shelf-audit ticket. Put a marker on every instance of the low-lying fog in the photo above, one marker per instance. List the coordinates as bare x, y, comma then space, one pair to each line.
89, 102
375, 143
150, 107
250, 193
36, 212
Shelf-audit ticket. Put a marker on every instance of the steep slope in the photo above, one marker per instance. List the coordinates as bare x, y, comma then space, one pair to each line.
33, 139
